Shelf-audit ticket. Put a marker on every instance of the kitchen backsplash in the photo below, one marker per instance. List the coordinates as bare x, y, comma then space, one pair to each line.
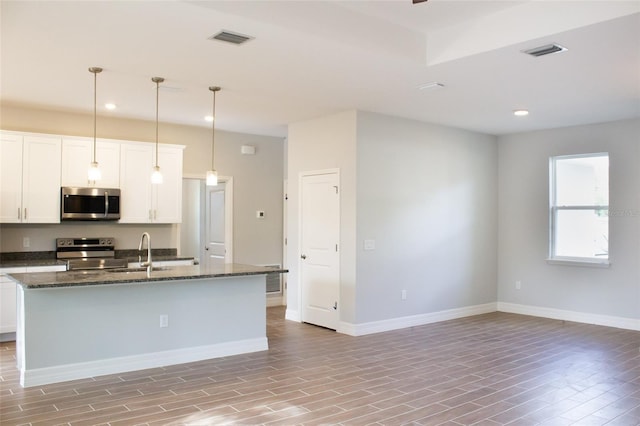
41, 238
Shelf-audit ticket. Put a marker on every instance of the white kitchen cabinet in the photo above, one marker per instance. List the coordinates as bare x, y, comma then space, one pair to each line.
30, 178
140, 200
167, 196
77, 154
8, 318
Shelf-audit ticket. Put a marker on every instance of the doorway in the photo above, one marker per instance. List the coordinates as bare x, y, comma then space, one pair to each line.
206, 232
319, 247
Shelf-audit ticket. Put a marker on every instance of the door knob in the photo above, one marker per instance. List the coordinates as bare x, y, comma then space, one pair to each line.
304, 256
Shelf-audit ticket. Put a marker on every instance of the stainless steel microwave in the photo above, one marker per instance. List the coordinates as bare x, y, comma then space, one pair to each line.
89, 203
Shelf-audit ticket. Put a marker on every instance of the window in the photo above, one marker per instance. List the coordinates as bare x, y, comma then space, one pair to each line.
579, 208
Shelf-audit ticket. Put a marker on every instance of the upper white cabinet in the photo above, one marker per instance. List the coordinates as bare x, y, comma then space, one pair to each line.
77, 154
30, 167
140, 200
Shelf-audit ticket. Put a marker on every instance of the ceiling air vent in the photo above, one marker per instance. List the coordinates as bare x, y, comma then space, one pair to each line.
545, 50
230, 37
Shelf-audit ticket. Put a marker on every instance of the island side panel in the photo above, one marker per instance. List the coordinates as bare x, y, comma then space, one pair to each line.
74, 326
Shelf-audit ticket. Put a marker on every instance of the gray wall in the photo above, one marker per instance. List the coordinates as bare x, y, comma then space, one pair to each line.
524, 222
257, 181
427, 195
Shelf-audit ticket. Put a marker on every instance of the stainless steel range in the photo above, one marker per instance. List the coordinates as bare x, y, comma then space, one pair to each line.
89, 253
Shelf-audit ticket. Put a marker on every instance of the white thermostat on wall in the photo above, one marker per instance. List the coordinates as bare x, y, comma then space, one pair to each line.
260, 214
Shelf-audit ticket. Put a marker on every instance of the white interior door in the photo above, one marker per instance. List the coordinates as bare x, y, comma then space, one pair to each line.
215, 244
319, 257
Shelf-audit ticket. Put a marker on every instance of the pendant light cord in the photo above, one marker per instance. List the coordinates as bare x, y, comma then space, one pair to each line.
157, 101
95, 71
95, 109
214, 89
213, 130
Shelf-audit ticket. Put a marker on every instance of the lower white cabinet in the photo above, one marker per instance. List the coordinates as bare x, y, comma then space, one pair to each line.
8, 320
8, 300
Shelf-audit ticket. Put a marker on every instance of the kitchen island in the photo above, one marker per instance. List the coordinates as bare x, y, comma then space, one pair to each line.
81, 324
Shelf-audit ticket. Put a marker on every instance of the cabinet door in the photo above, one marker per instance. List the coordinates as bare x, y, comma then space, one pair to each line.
8, 318
167, 197
76, 156
136, 165
10, 178
108, 156
41, 164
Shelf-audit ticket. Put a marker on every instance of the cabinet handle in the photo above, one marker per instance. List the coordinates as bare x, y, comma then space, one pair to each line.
25, 213
155, 214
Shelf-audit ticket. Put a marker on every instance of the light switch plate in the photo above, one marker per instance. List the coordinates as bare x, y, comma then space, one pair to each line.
369, 244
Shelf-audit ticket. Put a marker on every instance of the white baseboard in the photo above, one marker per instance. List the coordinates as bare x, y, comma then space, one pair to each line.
274, 300
413, 320
83, 370
560, 314
292, 315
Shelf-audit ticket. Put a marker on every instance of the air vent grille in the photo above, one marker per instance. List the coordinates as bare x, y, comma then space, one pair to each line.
545, 50
231, 37
274, 281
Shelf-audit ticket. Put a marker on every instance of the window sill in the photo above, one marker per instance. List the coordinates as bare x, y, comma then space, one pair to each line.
581, 262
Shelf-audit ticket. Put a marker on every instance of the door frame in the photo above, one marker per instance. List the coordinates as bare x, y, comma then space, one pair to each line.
228, 214
302, 175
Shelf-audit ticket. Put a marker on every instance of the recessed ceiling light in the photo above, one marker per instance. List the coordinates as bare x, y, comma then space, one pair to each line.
110, 106
520, 112
208, 118
431, 86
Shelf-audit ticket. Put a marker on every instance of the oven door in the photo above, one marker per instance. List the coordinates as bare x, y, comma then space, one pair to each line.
89, 203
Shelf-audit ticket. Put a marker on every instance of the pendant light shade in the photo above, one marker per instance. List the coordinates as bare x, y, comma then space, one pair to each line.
212, 175
94, 171
156, 176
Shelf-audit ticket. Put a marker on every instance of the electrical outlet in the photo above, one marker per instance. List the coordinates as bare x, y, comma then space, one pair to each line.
403, 294
164, 321
26, 242
518, 285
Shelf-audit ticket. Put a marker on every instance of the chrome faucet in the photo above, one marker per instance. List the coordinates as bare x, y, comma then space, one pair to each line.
148, 263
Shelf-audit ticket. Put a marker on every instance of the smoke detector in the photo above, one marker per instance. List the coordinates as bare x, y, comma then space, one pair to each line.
547, 49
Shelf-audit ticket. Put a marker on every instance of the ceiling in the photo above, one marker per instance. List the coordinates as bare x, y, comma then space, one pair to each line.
314, 58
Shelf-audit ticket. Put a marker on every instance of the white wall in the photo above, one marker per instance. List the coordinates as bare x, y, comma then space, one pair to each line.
524, 223
427, 195
257, 181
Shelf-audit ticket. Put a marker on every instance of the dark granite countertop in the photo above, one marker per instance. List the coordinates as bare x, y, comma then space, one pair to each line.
101, 277
21, 259
31, 262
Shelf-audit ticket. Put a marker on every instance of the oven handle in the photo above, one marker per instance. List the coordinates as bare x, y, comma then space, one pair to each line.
106, 203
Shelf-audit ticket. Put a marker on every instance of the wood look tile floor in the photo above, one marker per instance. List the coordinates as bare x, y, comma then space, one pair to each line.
493, 369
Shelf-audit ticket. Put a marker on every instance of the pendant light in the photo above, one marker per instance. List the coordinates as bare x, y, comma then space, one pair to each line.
94, 171
212, 175
156, 176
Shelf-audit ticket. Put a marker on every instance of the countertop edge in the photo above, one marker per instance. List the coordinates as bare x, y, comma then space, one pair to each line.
49, 280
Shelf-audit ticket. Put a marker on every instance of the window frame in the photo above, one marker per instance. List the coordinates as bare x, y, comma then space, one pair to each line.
553, 214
